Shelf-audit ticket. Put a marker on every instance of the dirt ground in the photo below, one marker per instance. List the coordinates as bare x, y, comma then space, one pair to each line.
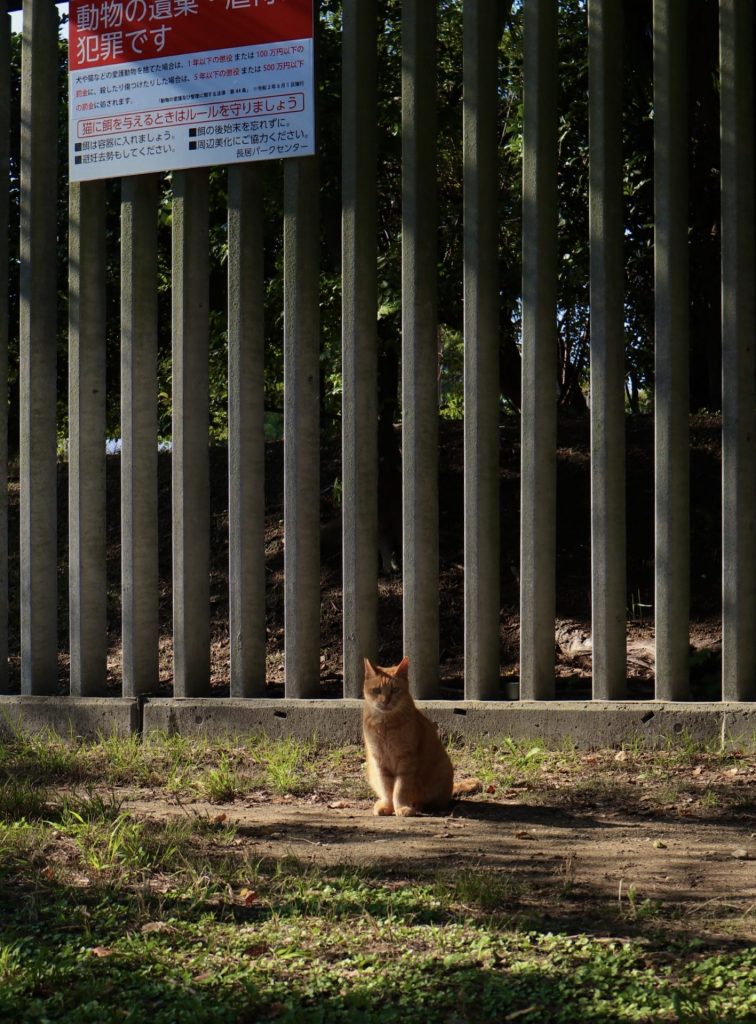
604, 853
665, 849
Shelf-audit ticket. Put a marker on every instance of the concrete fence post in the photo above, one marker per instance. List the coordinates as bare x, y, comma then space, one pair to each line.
672, 474
301, 427
608, 590
539, 348
246, 439
419, 347
359, 342
481, 331
38, 344
190, 486
4, 333
139, 428
86, 451
738, 354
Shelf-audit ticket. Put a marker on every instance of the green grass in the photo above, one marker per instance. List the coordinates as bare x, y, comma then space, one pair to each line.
108, 915
289, 765
303, 944
21, 800
222, 783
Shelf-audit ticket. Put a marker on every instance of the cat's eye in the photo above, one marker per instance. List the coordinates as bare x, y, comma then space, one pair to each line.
376, 691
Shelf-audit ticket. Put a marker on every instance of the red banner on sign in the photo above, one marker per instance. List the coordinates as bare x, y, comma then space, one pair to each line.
105, 32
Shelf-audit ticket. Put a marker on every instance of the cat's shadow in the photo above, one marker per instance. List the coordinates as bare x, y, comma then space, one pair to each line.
525, 814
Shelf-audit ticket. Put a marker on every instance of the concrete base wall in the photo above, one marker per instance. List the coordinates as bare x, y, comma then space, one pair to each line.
77, 717
332, 722
584, 724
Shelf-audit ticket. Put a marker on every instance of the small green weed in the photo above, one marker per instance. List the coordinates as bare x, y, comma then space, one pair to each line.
682, 748
638, 610
40, 757
10, 962
95, 808
105, 845
222, 783
481, 889
635, 908
509, 762
125, 761
19, 842
288, 765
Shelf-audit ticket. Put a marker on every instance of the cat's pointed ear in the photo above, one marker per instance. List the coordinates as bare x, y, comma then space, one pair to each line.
369, 670
402, 669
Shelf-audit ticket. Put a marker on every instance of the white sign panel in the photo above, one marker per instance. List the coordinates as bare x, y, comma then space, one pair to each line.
158, 85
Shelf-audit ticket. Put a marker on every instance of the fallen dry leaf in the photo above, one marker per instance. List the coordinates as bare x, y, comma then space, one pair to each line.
101, 951
337, 804
248, 896
218, 819
491, 789
521, 833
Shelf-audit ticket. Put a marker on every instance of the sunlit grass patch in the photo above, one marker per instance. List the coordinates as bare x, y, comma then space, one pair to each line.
225, 769
314, 945
40, 757
507, 762
221, 783
124, 845
289, 765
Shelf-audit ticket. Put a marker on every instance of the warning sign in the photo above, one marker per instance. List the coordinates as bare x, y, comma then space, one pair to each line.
158, 85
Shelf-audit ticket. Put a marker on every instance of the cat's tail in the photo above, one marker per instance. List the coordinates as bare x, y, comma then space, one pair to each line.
465, 787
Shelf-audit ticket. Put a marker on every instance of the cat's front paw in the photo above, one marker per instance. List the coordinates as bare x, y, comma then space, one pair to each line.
406, 812
382, 807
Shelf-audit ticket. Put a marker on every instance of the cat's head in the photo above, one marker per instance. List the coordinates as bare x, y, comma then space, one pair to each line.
386, 689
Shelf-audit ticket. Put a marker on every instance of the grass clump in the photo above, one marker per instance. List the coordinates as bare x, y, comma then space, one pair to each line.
288, 765
21, 801
222, 783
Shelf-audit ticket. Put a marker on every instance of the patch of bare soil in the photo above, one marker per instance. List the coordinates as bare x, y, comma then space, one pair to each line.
587, 844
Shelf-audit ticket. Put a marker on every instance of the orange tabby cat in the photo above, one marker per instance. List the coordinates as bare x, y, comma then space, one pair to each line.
407, 764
